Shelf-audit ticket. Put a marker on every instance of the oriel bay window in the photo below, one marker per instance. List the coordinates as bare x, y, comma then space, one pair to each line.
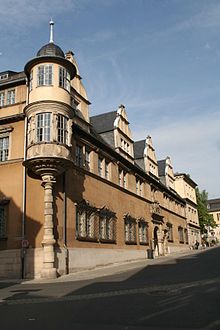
64, 79
143, 232
45, 75
62, 133
86, 222
43, 127
130, 229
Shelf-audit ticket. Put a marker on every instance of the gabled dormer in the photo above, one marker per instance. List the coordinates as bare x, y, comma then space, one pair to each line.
166, 174
114, 129
145, 157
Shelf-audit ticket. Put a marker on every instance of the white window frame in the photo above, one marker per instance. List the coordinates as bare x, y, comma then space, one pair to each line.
62, 132
45, 75
2, 99
4, 148
64, 78
11, 96
44, 127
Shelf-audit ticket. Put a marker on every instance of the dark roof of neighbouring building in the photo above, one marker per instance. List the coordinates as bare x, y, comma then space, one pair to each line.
50, 50
139, 147
104, 122
214, 204
161, 167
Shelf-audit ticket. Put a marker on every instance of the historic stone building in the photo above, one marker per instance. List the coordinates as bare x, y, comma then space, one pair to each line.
75, 191
214, 209
185, 186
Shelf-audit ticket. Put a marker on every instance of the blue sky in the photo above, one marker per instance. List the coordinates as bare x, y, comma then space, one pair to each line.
160, 58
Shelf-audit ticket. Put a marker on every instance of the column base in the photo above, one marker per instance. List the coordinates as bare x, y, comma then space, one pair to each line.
50, 273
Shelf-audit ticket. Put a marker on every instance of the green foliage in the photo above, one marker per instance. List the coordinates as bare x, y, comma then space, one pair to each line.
205, 219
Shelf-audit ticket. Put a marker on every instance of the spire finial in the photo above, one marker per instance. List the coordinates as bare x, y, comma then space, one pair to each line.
51, 30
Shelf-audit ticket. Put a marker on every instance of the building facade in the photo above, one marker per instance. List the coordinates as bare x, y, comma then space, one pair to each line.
213, 207
75, 191
185, 186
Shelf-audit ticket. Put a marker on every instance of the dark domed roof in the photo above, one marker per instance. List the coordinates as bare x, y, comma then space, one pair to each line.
51, 50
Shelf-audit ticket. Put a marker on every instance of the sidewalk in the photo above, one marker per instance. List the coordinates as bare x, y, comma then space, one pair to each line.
41, 290
102, 271
113, 269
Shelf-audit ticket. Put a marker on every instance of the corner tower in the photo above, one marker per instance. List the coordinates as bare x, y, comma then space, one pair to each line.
49, 121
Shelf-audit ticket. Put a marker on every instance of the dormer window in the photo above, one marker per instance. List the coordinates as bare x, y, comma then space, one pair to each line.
64, 79
45, 75
43, 128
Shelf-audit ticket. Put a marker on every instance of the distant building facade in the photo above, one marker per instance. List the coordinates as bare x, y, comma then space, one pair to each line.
213, 207
185, 187
76, 191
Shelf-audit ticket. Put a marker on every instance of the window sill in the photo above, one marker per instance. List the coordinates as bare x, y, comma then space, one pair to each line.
143, 243
107, 241
130, 243
87, 239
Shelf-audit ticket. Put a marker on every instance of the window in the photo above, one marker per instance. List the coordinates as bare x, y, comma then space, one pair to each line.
86, 222
87, 159
130, 230
2, 99
100, 161
107, 228
181, 237
44, 75
107, 165
143, 232
64, 79
2, 221
186, 236
43, 129
31, 81
85, 225
79, 155
170, 232
62, 129
4, 148
139, 184
11, 97
122, 178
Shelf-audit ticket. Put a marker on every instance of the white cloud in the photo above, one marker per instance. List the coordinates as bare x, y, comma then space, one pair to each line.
21, 14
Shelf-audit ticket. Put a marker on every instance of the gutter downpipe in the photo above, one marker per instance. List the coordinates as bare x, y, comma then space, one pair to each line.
23, 225
66, 252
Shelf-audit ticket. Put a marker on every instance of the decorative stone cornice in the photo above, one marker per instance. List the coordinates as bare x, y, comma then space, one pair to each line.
47, 165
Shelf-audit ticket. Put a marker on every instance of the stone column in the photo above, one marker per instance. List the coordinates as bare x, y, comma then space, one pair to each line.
48, 270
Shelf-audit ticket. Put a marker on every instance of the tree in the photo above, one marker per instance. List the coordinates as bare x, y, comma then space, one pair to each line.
205, 219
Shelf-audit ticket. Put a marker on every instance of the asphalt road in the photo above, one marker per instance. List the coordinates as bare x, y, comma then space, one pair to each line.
181, 293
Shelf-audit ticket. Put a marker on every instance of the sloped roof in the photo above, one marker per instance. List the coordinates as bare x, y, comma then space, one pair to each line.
50, 50
139, 149
161, 167
214, 204
104, 122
